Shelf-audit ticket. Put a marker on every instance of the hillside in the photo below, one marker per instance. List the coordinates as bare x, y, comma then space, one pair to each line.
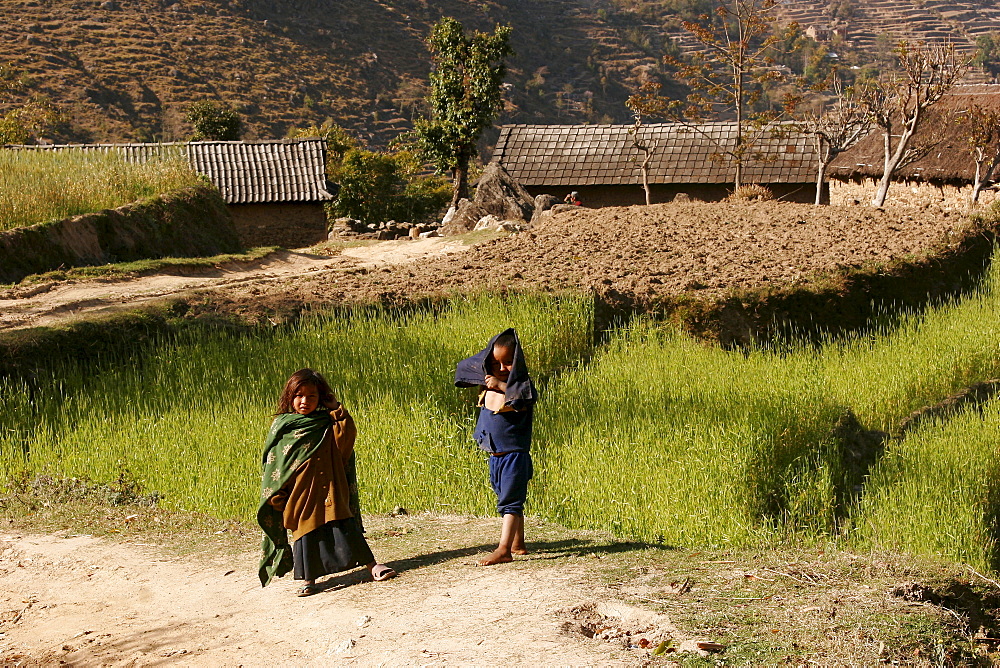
127, 69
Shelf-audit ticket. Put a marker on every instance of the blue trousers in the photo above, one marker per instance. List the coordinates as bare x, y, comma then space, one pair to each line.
509, 476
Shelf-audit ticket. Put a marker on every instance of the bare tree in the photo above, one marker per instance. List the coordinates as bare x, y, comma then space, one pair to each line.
896, 103
835, 128
981, 131
646, 146
727, 79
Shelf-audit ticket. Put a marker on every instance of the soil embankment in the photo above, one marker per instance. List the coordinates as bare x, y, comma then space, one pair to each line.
726, 272
187, 223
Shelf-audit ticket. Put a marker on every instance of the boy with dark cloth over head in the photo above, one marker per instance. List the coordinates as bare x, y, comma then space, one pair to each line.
506, 409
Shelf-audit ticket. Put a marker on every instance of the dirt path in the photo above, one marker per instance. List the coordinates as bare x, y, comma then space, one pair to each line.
48, 304
87, 601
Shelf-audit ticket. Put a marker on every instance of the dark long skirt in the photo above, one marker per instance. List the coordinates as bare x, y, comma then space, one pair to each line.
336, 546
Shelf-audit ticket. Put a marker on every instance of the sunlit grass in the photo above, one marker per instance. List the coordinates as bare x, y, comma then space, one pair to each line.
938, 492
39, 186
189, 420
653, 435
666, 439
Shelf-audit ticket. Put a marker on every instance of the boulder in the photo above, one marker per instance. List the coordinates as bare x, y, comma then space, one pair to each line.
541, 217
491, 222
463, 219
511, 226
345, 226
488, 222
497, 194
542, 204
501, 195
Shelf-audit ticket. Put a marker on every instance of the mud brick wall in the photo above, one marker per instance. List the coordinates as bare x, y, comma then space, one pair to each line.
289, 225
633, 194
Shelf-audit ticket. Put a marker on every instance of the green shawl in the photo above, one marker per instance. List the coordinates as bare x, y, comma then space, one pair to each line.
292, 440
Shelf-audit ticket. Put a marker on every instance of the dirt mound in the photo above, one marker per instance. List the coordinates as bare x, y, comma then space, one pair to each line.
643, 254
728, 272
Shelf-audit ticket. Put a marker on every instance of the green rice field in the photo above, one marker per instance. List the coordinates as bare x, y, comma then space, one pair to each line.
40, 186
650, 435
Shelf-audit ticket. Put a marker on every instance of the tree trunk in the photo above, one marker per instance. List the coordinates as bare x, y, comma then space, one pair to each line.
883, 184
893, 158
986, 177
738, 152
645, 174
820, 180
977, 185
825, 158
460, 178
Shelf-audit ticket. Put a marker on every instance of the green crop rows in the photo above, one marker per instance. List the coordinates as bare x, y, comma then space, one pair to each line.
651, 435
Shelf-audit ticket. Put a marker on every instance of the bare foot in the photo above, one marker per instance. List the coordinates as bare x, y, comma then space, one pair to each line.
519, 550
497, 556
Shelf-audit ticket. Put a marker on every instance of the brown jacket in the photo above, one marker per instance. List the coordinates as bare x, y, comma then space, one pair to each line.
318, 493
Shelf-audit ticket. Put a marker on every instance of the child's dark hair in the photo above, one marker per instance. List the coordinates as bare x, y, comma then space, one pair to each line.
506, 341
297, 380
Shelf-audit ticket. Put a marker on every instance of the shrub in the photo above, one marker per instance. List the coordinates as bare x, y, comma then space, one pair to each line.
752, 192
377, 186
213, 121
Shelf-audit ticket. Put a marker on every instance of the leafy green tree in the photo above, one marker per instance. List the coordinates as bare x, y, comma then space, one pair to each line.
338, 142
379, 186
466, 77
988, 52
213, 121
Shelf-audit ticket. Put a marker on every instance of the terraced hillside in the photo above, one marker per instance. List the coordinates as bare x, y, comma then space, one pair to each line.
932, 21
127, 69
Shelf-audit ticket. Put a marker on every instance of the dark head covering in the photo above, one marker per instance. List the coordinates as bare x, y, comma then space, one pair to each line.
521, 391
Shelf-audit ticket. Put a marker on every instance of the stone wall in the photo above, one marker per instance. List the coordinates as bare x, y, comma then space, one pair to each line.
914, 193
289, 225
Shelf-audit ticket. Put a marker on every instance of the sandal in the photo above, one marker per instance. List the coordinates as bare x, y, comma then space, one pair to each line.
307, 590
381, 572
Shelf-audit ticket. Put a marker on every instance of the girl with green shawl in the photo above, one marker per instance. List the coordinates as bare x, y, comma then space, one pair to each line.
309, 487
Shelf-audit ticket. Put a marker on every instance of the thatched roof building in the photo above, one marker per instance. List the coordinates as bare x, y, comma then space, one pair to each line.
949, 160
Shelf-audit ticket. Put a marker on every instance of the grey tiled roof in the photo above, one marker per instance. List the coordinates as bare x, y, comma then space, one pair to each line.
264, 171
285, 170
578, 155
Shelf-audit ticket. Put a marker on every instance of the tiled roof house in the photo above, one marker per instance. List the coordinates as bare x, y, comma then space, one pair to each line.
601, 163
275, 189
